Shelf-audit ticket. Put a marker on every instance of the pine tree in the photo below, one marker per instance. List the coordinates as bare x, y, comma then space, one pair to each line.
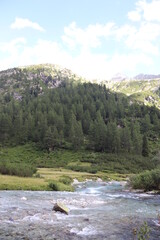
136, 137
126, 142
146, 123
145, 148
100, 133
76, 133
86, 122
112, 138
48, 140
51, 139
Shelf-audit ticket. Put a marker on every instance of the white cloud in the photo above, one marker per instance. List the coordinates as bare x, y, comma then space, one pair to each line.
21, 23
12, 45
126, 30
87, 38
12, 51
138, 39
135, 16
148, 11
129, 62
87, 64
144, 38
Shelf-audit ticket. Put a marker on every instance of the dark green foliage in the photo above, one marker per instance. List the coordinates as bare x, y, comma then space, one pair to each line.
51, 139
59, 186
148, 180
145, 148
53, 186
22, 170
66, 180
93, 169
76, 134
126, 143
79, 116
136, 137
79, 160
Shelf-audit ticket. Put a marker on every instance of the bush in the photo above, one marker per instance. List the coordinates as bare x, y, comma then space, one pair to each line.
89, 169
53, 186
66, 180
21, 170
59, 186
148, 180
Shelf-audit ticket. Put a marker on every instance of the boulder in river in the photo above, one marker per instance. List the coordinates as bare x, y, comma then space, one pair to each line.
59, 207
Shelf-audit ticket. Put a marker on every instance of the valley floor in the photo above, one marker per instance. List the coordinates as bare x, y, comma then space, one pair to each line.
56, 170
47, 175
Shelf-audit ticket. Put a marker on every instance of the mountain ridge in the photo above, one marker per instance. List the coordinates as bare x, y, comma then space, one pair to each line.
35, 79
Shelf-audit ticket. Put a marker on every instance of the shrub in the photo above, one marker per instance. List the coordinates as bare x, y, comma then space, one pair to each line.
148, 180
20, 169
53, 186
59, 186
89, 169
66, 180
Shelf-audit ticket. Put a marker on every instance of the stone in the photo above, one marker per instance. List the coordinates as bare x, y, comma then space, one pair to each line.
59, 207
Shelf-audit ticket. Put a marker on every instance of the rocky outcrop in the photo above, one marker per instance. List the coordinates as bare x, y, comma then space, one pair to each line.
34, 79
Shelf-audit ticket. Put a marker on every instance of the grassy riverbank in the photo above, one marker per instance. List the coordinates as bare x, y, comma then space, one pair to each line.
79, 161
57, 169
58, 176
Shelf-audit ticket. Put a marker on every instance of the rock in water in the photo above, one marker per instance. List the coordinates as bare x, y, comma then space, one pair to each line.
59, 207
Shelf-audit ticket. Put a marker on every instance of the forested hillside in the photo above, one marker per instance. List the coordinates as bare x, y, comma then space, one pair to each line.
80, 116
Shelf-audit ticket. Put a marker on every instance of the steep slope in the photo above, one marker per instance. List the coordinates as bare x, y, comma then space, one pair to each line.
33, 79
43, 106
145, 91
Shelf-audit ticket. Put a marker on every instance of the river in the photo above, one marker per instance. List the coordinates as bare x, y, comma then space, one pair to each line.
98, 210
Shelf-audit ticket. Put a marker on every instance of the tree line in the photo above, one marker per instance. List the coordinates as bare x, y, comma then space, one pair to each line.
79, 116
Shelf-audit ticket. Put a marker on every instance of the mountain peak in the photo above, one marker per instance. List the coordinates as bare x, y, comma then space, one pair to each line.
35, 78
118, 77
143, 76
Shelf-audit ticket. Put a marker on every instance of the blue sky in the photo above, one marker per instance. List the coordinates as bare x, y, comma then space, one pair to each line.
95, 38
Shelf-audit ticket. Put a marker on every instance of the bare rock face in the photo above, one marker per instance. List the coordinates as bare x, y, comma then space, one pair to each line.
59, 207
34, 79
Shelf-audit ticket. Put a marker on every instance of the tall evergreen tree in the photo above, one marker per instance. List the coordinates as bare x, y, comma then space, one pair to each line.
145, 148
99, 128
112, 138
126, 143
136, 137
76, 133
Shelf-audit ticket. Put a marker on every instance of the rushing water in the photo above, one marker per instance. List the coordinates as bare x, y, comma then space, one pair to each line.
98, 211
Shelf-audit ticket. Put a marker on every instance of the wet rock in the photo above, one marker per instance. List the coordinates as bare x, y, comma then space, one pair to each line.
99, 180
75, 181
86, 219
123, 183
11, 219
59, 207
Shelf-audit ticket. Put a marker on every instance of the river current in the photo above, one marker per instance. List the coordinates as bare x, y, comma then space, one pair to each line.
98, 210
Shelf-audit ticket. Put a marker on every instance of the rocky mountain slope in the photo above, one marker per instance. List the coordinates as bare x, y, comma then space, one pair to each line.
33, 79
145, 91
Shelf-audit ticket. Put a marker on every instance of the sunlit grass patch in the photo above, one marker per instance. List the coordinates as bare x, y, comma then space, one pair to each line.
20, 183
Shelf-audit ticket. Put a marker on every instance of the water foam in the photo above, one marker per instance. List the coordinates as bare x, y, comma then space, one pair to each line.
86, 231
